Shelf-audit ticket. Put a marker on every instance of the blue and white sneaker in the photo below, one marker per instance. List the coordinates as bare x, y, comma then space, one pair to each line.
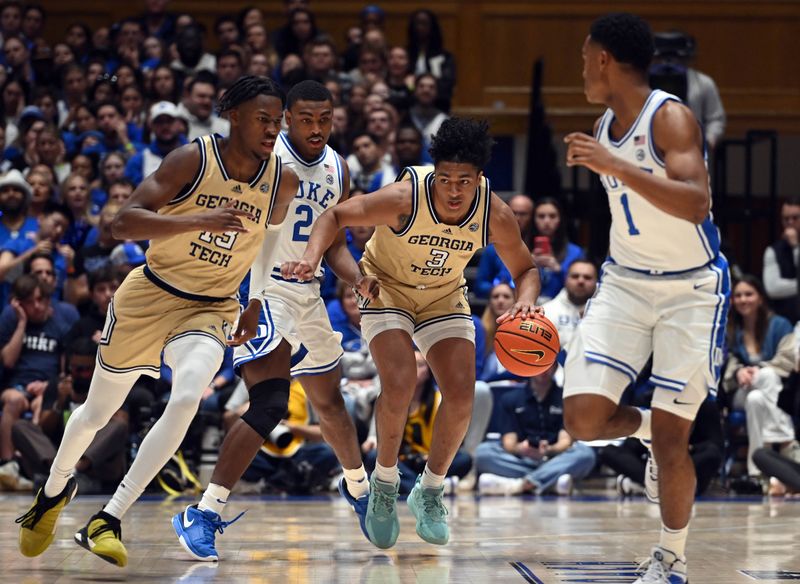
663, 567
196, 530
359, 505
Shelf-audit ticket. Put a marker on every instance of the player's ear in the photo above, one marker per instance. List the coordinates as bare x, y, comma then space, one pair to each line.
287, 115
233, 116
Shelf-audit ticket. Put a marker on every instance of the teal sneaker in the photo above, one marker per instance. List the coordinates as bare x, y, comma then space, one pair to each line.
381, 521
426, 505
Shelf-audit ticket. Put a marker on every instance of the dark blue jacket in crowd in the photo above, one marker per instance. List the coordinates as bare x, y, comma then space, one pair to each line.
777, 328
531, 420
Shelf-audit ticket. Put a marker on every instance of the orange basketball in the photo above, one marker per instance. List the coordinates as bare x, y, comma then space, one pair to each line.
527, 347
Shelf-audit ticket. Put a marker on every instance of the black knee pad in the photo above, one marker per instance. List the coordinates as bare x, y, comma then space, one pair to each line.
269, 402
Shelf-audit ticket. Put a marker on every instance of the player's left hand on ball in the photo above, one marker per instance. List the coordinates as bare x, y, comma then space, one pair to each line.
585, 150
297, 270
368, 287
522, 310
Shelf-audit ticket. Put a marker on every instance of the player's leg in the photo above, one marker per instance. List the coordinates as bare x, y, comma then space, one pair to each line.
267, 380
393, 353
106, 394
194, 360
449, 347
611, 345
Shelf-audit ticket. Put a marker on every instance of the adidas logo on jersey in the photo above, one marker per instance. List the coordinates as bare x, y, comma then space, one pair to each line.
237, 189
459, 305
448, 231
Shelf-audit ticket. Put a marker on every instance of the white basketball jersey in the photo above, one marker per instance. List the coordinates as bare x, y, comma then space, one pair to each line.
321, 186
643, 237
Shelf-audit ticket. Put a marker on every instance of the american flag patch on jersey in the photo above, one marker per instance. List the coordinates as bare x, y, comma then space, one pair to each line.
638, 140
328, 167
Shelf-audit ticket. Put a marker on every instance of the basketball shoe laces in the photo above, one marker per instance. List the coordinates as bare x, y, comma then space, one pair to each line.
32, 516
653, 571
433, 505
211, 526
384, 502
113, 527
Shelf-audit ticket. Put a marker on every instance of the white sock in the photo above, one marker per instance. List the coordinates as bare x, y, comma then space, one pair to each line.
194, 360
214, 498
674, 540
126, 494
356, 481
430, 480
106, 394
387, 474
643, 432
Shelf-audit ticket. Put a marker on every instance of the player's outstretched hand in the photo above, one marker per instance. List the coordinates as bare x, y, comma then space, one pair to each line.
368, 287
297, 270
520, 309
248, 325
223, 219
584, 150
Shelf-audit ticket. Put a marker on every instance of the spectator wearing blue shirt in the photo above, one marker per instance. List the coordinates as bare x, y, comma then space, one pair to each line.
491, 270
32, 331
166, 138
535, 452
555, 254
15, 195
116, 133
54, 223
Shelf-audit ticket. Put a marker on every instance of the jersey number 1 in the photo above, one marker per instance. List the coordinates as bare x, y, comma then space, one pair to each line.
628, 217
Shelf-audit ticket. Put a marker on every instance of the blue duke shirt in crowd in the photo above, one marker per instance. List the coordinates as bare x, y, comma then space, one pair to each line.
19, 246
29, 226
531, 419
42, 346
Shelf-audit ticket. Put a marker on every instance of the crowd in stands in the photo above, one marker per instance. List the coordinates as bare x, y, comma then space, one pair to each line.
84, 120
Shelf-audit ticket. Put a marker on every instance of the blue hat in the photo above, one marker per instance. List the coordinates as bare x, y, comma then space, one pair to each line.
129, 252
372, 9
31, 111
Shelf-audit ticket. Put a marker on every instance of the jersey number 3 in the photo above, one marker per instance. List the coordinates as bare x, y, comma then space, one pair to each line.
439, 258
307, 216
628, 217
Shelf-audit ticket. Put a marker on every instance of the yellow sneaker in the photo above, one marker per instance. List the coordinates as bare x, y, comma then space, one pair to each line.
38, 526
103, 537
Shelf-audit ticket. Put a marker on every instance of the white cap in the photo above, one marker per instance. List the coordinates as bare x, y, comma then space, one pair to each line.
14, 178
164, 108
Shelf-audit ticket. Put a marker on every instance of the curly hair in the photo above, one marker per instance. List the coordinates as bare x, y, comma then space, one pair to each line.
462, 140
627, 37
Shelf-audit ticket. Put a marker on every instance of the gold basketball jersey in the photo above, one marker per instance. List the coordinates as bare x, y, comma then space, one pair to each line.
201, 265
427, 253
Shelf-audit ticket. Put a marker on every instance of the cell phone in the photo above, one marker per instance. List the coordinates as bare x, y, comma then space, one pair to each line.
541, 245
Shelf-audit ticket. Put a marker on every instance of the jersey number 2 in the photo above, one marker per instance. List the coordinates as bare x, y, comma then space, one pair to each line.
308, 215
628, 217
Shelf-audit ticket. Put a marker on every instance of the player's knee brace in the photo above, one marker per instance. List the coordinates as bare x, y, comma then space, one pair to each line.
269, 401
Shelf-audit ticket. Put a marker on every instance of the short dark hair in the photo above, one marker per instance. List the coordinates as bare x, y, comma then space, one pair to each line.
363, 133
51, 207
83, 346
308, 90
223, 19
246, 88
462, 140
231, 53
202, 76
122, 181
24, 287
39, 255
104, 274
96, 107
627, 37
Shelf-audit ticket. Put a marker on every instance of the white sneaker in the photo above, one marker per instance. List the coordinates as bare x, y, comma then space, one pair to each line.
651, 478
663, 567
9, 476
792, 451
564, 485
450, 485
492, 484
627, 487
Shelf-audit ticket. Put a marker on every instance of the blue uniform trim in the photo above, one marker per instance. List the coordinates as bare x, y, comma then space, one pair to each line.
414, 199
723, 290
441, 319
276, 184
198, 177
218, 156
633, 127
285, 139
339, 172
176, 292
620, 366
667, 383
318, 370
651, 140
658, 272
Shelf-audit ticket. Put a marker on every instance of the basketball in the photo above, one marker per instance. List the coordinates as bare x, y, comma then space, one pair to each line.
527, 347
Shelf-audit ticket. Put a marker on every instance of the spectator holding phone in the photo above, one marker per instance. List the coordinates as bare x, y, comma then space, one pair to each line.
552, 251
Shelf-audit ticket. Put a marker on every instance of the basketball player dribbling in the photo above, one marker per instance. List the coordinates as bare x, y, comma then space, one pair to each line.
428, 226
665, 286
206, 211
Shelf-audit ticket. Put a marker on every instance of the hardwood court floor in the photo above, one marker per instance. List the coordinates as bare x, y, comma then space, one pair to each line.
494, 540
